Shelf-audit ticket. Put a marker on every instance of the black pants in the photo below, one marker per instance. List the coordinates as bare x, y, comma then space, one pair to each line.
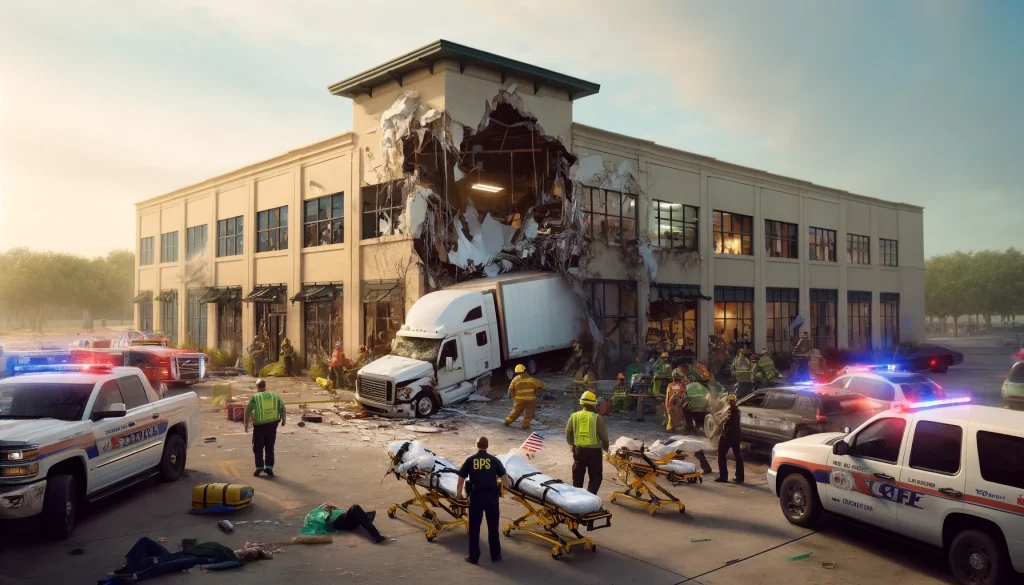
728, 441
587, 460
743, 388
289, 363
355, 517
263, 438
481, 504
705, 467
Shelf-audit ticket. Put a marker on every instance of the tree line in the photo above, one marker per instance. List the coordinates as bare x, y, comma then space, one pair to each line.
35, 286
980, 284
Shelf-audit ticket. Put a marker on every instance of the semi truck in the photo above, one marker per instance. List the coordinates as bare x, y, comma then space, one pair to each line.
455, 339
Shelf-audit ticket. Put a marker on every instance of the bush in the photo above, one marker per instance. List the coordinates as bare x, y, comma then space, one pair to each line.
250, 365
221, 358
318, 370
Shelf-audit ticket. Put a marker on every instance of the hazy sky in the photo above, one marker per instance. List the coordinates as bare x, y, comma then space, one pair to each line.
104, 103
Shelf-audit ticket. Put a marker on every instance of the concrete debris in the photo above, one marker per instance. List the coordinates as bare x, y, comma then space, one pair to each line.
312, 418
478, 398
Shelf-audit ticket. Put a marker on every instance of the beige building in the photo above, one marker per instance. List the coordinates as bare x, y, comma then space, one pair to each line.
308, 245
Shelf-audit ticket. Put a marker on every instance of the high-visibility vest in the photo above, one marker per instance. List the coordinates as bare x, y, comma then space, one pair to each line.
767, 366
524, 388
620, 390
697, 395
741, 369
267, 408
584, 429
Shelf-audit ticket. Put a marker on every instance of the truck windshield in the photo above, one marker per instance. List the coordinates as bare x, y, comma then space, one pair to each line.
28, 400
417, 348
922, 391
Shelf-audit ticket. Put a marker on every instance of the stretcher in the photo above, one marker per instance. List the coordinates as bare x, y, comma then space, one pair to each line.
640, 468
433, 482
555, 511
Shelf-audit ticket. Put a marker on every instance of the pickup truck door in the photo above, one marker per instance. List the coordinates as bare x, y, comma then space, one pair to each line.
151, 424
935, 475
115, 457
447, 381
863, 484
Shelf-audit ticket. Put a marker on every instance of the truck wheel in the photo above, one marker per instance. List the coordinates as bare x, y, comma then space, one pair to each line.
510, 372
60, 506
975, 557
172, 464
710, 426
799, 500
425, 405
531, 366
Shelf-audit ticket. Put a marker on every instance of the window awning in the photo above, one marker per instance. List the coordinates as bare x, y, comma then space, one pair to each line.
273, 293
222, 294
317, 293
144, 296
677, 292
168, 296
379, 291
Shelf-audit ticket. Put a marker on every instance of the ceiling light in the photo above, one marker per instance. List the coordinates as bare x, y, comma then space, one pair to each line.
487, 188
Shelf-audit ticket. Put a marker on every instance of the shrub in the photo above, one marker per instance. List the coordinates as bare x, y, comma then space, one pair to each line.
318, 370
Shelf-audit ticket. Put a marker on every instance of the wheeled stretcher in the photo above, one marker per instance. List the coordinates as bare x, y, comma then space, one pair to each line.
639, 469
555, 511
434, 484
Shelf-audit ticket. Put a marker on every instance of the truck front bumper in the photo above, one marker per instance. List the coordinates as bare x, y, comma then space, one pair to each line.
22, 501
400, 410
772, 480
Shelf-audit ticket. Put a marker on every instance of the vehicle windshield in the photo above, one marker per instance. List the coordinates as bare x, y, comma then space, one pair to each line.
922, 391
36, 400
417, 348
840, 405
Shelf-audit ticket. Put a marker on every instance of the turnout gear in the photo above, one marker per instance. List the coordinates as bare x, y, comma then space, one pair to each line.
574, 359
523, 390
662, 371
765, 371
288, 357
621, 401
742, 370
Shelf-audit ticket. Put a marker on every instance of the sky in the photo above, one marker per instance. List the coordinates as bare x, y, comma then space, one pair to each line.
104, 103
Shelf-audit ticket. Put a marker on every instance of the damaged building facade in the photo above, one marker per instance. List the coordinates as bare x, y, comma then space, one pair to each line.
462, 164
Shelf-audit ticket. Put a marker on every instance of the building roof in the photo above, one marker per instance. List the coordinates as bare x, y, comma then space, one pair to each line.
363, 83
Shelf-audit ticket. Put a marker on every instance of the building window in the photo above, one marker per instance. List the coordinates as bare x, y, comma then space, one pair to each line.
858, 249
230, 237
383, 314
146, 316
169, 247
859, 308
890, 306
323, 325
608, 216
822, 244
782, 306
229, 325
325, 221
672, 316
780, 239
734, 233
673, 226
195, 336
146, 251
272, 229
734, 313
614, 306
383, 206
890, 252
196, 237
823, 318
169, 315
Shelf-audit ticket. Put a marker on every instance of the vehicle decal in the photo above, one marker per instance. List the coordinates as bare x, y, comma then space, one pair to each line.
990, 495
83, 442
133, 437
995, 505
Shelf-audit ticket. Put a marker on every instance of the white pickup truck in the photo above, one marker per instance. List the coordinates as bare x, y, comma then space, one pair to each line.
84, 433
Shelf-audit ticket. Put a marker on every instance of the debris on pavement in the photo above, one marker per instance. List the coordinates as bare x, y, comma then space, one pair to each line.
700, 540
313, 418
798, 557
828, 565
210, 440
226, 526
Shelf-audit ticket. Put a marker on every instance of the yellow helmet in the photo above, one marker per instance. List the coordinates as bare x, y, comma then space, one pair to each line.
520, 368
731, 398
622, 376
588, 398
664, 354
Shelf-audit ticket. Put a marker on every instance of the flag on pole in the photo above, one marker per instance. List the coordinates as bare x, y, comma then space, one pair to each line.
533, 443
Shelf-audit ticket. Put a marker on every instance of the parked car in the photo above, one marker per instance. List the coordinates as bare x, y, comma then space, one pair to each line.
1013, 387
773, 415
947, 475
886, 388
918, 358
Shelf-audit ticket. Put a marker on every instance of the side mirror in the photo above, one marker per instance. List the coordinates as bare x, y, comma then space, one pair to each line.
116, 410
846, 430
840, 448
449, 363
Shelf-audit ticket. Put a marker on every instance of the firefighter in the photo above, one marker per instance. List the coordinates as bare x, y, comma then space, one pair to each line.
730, 439
587, 437
258, 353
741, 370
265, 411
765, 372
288, 357
662, 372
621, 403
697, 399
676, 404
802, 353
575, 359
583, 380
523, 390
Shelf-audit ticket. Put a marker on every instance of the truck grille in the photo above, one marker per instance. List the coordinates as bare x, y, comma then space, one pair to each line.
188, 367
374, 389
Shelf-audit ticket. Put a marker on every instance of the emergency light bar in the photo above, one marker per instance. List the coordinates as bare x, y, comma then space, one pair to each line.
934, 403
36, 369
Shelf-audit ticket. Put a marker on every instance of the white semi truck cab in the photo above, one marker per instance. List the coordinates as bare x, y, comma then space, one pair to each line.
454, 338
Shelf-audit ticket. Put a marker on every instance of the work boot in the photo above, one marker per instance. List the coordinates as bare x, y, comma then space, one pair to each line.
508, 423
257, 473
269, 472
380, 539
470, 561
527, 427
722, 479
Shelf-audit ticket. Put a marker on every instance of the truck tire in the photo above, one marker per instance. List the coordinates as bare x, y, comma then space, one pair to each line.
60, 506
531, 366
425, 405
799, 501
975, 557
711, 426
172, 463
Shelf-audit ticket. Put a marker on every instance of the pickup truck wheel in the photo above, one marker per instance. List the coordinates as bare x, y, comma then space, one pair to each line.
975, 558
426, 405
799, 500
172, 464
60, 506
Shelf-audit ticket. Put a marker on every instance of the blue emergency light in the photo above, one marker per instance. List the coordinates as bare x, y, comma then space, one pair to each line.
934, 403
44, 368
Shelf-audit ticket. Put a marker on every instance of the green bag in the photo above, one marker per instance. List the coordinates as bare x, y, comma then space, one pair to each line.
319, 522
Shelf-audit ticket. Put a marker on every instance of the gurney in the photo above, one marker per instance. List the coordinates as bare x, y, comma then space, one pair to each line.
640, 467
551, 504
434, 484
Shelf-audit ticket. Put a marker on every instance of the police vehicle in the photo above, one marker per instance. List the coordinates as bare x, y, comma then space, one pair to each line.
75, 433
885, 385
945, 472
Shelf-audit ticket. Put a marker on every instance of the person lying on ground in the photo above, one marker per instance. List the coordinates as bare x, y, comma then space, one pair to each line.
351, 518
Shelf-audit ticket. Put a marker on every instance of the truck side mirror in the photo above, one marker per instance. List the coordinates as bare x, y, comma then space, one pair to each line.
449, 363
840, 448
116, 410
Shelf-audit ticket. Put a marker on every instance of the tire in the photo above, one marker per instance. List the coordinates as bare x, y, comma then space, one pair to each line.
710, 426
425, 405
799, 501
531, 366
976, 558
510, 372
60, 506
172, 463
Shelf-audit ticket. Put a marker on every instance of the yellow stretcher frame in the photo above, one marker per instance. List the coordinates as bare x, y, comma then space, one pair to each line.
642, 478
543, 519
427, 499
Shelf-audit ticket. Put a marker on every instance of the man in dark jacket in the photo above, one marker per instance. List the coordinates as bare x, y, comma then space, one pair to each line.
483, 471
730, 439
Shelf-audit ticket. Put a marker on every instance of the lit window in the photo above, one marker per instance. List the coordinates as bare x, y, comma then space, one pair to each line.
608, 216
324, 221
733, 233
734, 313
822, 244
890, 252
383, 206
780, 239
272, 229
673, 225
858, 249
782, 306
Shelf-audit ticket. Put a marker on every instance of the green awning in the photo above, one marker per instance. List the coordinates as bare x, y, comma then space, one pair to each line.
317, 293
679, 292
221, 294
273, 293
144, 296
168, 296
376, 292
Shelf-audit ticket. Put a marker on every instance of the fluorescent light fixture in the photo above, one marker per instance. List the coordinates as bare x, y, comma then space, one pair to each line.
487, 188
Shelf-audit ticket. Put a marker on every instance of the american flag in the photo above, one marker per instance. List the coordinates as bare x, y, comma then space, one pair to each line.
533, 443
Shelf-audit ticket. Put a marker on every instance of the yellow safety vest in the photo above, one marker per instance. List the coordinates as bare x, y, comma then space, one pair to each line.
524, 388
584, 429
267, 408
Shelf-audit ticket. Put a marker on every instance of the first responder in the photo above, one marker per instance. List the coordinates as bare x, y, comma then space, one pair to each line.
802, 353
483, 471
523, 390
584, 380
265, 411
697, 400
258, 353
574, 359
662, 371
676, 404
741, 370
730, 439
337, 365
765, 372
587, 436
288, 357
716, 354
620, 396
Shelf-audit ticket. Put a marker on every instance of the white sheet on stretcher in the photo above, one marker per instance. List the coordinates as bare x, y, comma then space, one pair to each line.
571, 499
662, 448
443, 473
